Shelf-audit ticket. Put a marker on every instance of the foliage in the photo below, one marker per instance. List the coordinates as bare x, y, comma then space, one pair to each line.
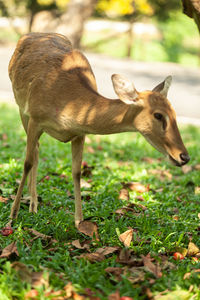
164, 218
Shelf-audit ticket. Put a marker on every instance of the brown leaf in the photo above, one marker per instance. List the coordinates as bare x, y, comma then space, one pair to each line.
34, 278
4, 200
126, 258
9, 250
6, 231
143, 207
32, 294
38, 234
137, 274
155, 269
93, 257
114, 296
136, 186
116, 271
83, 245
162, 174
85, 184
39, 279
22, 270
88, 228
126, 237
107, 250
123, 194
197, 167
192, 249
186, 169
123, 210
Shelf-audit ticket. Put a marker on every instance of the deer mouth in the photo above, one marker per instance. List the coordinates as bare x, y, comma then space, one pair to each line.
175, 162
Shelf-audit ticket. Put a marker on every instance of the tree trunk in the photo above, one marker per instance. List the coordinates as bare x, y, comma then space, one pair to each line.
192, 9
73, 20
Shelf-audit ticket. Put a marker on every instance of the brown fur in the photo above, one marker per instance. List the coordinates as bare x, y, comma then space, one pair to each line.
56, 92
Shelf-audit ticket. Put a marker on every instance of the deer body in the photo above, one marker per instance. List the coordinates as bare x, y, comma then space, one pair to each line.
56, 92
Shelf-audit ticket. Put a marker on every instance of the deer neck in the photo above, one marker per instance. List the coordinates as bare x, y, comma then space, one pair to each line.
100, 115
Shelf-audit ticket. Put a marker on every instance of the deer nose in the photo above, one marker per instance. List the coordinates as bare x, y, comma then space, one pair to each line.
185, 158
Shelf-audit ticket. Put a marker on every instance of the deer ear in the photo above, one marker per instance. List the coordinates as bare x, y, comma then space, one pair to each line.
163, 87
124, 89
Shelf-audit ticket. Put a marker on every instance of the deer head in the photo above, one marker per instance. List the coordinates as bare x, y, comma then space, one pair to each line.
155, 118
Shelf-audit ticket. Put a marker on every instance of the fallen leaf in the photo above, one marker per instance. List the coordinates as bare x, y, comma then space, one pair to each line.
192, 249
32, 294
39, 279
153, 268
90, 229
162, 174
36, 279
38, 234
197, 167
136, 274
114, 296
107, 250
175, 218
83, 245
197, 190
143, 207
123, 210
123, 194
85, 184
136, 186
126, 237
4, 200
6, 231
186, 169
93, 257
116, 271
9, 250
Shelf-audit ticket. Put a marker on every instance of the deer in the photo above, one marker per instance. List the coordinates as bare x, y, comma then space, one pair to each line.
56, 92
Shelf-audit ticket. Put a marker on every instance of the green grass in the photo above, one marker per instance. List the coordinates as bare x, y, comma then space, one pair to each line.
119, 160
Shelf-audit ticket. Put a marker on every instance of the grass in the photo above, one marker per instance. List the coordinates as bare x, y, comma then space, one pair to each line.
119, 159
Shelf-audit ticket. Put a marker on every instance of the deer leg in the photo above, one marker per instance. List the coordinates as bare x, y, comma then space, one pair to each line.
33, 135
77, 152
32, 183
33, 172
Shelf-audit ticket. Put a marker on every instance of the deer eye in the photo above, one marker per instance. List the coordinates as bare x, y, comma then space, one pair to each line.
158, 116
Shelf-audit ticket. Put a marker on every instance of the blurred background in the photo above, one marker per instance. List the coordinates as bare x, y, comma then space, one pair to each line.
147, 39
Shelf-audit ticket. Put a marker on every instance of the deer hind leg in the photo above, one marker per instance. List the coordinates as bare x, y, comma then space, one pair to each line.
33, 135
77, 152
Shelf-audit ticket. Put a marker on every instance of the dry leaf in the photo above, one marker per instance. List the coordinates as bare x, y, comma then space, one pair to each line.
6, 231
123, 194
107, 250
4, 200
123, 210
85, 184
39, 279
143, 207
93, 257
197, 167
175, 218
186, 169
9, 250
136, 186
137, 274
32, 294
83, 245
43, 236
114, 296
88, 228
192, 249
36, 279
116, 271
126, 237
155, 269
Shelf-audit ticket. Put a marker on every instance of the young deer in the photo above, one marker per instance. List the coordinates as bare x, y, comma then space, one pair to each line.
55, 89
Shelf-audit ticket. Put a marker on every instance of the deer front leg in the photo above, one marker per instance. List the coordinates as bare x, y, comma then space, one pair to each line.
77, 152
33, 134
32, 183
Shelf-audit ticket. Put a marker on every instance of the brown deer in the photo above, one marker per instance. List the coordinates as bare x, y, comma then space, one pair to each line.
56, 92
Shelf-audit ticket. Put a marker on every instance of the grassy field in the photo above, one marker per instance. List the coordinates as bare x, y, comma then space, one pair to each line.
49, 263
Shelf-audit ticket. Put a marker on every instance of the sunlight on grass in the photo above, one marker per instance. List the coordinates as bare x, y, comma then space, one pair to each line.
163, 218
